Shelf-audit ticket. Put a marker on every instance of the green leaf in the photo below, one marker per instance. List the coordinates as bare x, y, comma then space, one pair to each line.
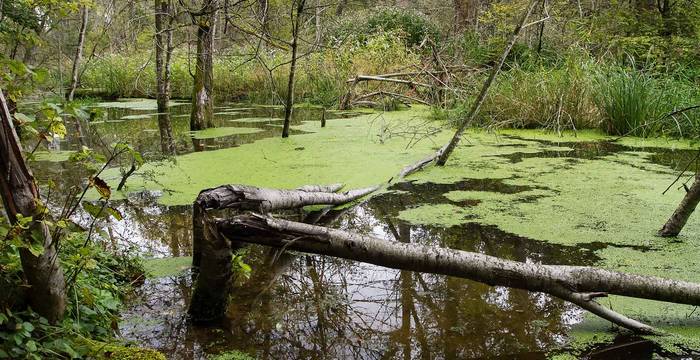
30, 346
92, 209
28, 326
58, 129
115, 213
22, 118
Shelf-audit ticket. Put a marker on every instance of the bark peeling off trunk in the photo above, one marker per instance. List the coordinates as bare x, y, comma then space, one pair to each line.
20, 195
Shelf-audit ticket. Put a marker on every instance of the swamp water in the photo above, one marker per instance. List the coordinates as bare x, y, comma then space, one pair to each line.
521, 195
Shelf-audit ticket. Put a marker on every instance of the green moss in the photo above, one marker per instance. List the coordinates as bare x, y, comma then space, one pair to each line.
167, 266
217, 132
256, 119
346, 150
564, 136
134, 104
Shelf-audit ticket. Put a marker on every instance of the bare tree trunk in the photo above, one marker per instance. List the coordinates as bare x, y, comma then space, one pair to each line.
162, 10
675, 223
78, 53
289, 103
319, 29
577, 284
20, 196
202, 96
211, 252
446, 151
466, 13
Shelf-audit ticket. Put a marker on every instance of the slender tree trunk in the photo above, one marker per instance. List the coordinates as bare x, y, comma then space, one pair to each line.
675, 223
163, 55
202, 96
20, 196
289, 103
319, 29
446, 151
78, 53
466, 14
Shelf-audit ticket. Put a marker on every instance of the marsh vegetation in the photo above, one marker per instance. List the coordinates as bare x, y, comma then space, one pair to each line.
347, 179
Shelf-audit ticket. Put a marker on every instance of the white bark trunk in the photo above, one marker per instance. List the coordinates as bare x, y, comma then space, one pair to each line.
577, 284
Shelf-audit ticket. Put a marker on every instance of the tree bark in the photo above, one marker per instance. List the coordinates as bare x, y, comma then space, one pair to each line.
202, 95
466, 14
690, 201
446, 151
164, 49
211, 253
289, 103
20, 196
577, 284
78, 53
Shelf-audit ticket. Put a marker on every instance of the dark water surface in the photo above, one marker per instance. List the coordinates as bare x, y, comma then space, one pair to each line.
307, 306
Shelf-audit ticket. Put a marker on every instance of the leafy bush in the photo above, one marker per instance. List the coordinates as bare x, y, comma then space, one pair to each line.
414, 26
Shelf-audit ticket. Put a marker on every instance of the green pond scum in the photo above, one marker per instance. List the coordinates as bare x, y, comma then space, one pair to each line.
572, 190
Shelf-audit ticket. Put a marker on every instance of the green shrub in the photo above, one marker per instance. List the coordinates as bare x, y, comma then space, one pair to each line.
413, 25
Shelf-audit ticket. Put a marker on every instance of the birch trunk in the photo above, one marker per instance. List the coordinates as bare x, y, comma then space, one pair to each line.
20, 196
211, 253
78, 53
577, 284
675, 223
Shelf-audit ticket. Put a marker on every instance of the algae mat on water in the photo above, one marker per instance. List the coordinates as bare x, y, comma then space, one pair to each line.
611, 203
358, 152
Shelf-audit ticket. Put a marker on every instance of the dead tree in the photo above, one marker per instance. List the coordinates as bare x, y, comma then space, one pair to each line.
579, 285
446, 151
211, 252
20, 197
296, 15
690, 201
78, 53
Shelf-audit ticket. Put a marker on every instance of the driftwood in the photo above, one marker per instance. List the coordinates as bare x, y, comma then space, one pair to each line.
577, 284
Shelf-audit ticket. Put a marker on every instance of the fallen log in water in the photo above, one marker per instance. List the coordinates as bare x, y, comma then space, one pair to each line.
211, 253
579, 285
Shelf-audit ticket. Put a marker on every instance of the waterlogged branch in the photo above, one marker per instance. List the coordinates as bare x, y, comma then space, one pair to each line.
576, 284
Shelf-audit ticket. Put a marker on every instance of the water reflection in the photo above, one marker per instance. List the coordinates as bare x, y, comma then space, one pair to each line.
137, 121
304, 306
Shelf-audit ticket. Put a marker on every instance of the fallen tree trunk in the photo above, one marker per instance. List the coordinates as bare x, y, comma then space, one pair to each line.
576, 284
690, 201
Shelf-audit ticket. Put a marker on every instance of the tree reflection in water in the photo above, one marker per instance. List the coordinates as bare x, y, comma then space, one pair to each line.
308, 306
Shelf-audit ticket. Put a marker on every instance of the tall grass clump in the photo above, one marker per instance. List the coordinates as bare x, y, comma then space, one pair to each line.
555, 98
630, 102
